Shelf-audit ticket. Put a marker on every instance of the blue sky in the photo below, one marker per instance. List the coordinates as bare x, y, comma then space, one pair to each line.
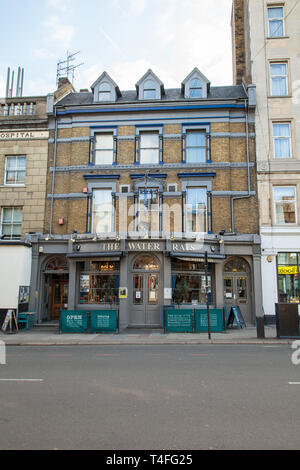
123, 37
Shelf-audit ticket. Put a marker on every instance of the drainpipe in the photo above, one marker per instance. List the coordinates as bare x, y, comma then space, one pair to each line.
53, 176
234, 198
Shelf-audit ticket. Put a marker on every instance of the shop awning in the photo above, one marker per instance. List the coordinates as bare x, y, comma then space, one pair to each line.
112, 255
197, 257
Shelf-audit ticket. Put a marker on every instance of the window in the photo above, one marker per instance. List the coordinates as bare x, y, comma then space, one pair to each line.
282, 140
278, 73
288, 271
195, 88
104, 92
99, 282
195, 147
275, 19
192, 275
102, 211
11, 222
149, 90
148, 210
104, 149
149, 147
15, 167
196, 214
285, 205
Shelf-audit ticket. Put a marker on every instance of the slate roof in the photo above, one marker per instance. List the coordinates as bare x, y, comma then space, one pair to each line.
171, 94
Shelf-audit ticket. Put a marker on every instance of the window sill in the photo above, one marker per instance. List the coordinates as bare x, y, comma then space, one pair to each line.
279, 96
278, 37
13, 186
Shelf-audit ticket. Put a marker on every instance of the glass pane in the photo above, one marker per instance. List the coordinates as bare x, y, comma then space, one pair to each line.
149, 140
284, 193
195, 139
195, 155
286, 259
195, 83
276, 28
275, 12
104, 86
102, 196
279, 86
288, 288
20, 176
278, 69
138, 286
7, 215
21, 163
17, 215
281, 130
282, 148
149, 94
195, 92
146, 263
149, 156
242, 287
152, 289
104, 96
104, 157
228, 287
10, 177
104, 141
11, 163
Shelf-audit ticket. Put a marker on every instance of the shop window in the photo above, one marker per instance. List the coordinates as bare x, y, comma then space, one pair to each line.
193, 273
11, 222
99, 282
15, 167
285, 204
288, 272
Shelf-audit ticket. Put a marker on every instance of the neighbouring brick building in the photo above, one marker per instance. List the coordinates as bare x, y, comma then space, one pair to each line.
266, 51
23, 174
141, 184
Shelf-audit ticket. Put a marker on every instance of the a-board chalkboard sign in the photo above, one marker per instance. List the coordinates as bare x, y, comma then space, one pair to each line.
236, 314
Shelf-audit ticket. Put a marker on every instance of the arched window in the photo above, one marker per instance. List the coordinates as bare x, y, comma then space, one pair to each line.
104, 92
146, 263
149, 90
56, 264
236, 265
195, 88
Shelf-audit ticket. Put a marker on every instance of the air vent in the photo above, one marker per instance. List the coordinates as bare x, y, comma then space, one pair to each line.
124, 188
172, 188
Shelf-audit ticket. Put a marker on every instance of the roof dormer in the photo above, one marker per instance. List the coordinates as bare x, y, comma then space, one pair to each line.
195, 85
105, 89
149, 87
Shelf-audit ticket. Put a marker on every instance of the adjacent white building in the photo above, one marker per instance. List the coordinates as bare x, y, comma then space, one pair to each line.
266, 50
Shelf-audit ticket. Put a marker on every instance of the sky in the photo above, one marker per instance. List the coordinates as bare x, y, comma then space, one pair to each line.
122, 37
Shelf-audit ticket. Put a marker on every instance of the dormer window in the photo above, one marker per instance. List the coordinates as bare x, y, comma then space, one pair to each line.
105, 89
104, 92
149, 90
195, 88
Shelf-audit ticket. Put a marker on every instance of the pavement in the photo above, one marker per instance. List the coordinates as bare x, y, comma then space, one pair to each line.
42, 335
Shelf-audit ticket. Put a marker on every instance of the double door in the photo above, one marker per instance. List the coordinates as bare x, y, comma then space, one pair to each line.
146, 309
237, 293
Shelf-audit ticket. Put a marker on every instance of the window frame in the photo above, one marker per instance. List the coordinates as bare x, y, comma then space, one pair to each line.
273, 7
16, 170
188, 211
12, 224
106, 93
294, 202
275, 138
103, 130
191, 88
148, 129
279, 62
96, 189
196, 127
153, 212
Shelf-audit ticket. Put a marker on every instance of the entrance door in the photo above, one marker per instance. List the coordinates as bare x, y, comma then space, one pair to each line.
59, 297
237, 287
146, 309
236, 291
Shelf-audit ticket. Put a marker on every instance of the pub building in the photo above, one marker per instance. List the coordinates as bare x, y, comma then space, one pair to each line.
141, 184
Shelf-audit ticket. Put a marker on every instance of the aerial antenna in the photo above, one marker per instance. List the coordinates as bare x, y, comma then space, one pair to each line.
66, 68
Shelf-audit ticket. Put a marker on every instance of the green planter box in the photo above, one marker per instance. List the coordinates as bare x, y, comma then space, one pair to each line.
215, 317
179, 320
73, 321
103, 321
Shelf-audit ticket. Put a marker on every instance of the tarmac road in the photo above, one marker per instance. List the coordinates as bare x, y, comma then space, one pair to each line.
135, 397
